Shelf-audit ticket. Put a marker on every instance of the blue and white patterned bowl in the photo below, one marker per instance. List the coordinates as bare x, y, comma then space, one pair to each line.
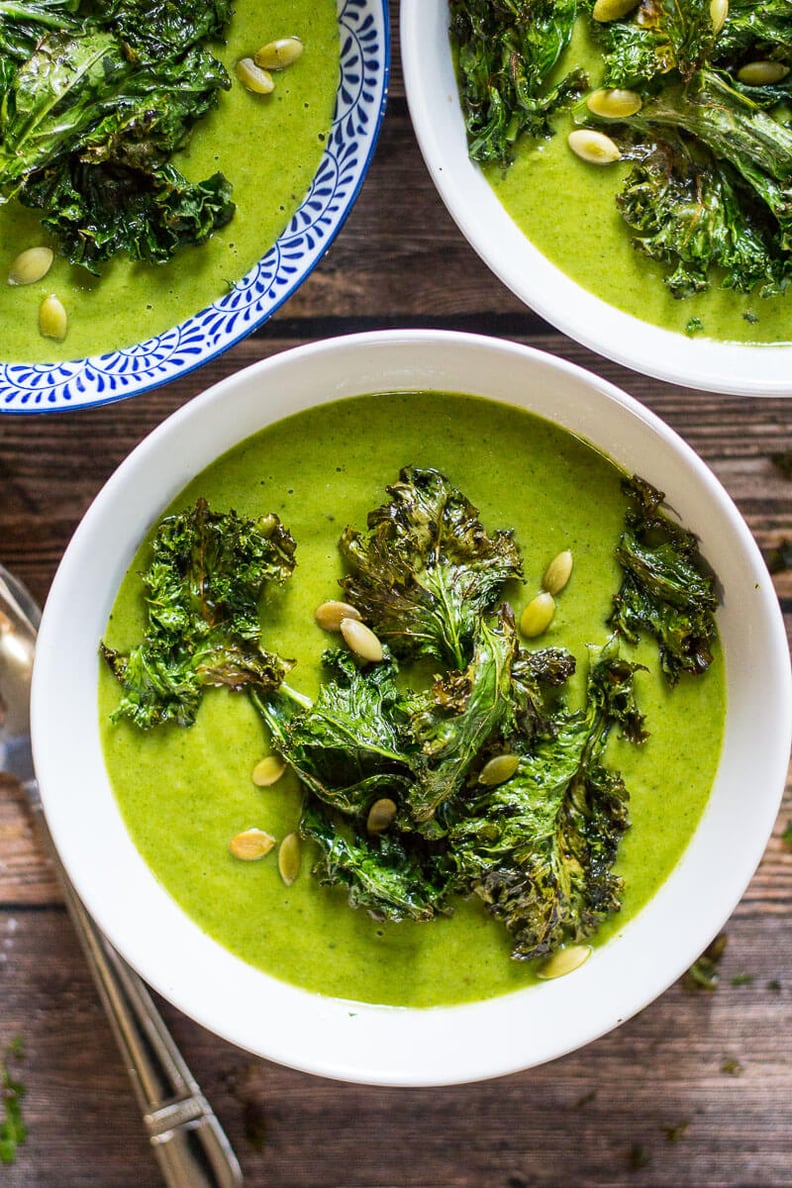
360, 106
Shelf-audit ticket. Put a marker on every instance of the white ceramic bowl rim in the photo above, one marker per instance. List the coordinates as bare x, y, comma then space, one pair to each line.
359, 1042
437, 119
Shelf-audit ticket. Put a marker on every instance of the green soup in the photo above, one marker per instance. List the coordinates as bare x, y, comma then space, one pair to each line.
566, 208
268, 147
185, 793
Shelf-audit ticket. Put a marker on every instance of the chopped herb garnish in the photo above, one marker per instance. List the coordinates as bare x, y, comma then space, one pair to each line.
13, 1131
703, 973
675, 1131
779, 557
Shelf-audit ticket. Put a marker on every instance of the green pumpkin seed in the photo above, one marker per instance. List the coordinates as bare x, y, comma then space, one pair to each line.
614, 103
328, 616
761, 74
30, 266
253, 77
538, 615
251, 844
381, 815
268, 771
361, 640
594, 147
564, 961
612, 10
498, 770
53, 321
289, 858
558, 573
277, 55
719, 10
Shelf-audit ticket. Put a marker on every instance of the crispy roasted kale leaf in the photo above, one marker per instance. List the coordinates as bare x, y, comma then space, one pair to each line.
539, 849
691, 216
93, 108
426, 571
461, 716
667, 590
352, 745
203, 586
507, 51
394, 875
665, 36
710, 195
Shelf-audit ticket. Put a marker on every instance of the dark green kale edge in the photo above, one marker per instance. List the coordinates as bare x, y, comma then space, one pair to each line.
94, 101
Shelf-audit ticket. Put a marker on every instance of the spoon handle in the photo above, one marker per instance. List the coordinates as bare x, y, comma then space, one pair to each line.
187, 1139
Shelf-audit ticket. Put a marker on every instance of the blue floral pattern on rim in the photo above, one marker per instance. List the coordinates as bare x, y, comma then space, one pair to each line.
360, 106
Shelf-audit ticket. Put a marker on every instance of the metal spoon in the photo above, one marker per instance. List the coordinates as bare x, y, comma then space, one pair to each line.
188, 1141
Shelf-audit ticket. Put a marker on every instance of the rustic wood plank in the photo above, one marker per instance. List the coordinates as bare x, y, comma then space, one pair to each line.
693, 1083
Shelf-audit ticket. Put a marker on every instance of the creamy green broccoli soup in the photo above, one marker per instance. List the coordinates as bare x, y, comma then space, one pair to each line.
267, 146
186, 792
566, 207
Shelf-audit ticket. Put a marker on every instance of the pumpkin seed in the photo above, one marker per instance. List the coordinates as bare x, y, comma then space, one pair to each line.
594, 147
612, 10
381, 815
498, 770
289, 858
328, 616
538, 615
253, 77
268, 771
276, 55
558, 573
362, 640
251, 844
760, 74
267, 524
53, 322
614, 103
719, 10
564, 961
30, 266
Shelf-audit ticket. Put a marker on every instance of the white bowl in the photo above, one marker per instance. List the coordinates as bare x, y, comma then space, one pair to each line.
364, 32
324, 1035
433, 101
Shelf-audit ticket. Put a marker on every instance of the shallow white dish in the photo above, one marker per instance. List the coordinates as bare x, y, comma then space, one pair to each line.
360, 107
433, 101
334, 1037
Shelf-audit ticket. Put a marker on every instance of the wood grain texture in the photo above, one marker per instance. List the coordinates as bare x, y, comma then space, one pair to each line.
695, 1090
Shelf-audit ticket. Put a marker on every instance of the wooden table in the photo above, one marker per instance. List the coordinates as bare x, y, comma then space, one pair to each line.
696, 1090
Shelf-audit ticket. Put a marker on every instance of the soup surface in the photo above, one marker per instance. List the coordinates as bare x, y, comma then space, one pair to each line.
268, 147
567, 209
185, 793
